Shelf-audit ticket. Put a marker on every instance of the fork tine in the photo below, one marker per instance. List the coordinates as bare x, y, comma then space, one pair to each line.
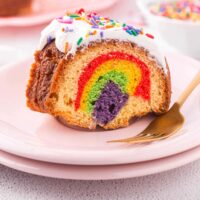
135, 138
169, 132
147, 140
144, 134
144, 139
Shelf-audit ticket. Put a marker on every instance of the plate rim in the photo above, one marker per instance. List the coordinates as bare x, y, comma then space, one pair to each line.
113, 172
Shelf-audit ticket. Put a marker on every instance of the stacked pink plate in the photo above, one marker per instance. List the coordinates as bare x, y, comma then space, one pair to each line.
38, 144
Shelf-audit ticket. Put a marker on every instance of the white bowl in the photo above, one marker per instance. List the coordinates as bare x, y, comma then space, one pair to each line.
183, 35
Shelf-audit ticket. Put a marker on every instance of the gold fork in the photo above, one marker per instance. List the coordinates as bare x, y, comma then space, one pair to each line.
167, 124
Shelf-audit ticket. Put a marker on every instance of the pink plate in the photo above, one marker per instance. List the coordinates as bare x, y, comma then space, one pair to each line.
38, 136
44, 11
99, 172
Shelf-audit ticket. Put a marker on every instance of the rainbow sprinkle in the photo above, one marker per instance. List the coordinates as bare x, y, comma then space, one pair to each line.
64, 21
149, 35
101, 34
49, 39
79, 41
180, 9
66, 46
67, 29
74, 16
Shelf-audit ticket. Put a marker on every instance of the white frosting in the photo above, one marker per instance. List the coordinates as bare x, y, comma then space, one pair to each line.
80, 28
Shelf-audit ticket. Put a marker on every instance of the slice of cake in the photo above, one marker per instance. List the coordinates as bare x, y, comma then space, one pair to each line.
91, 70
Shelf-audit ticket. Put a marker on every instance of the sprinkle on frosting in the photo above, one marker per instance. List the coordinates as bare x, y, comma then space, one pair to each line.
64, 21
149, 35
101, 34
81, 28
49, 39
66, 46
79, 41
67, 29
180, 9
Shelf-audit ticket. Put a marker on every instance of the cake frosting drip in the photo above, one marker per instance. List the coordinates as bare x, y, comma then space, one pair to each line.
74, 30
111, 100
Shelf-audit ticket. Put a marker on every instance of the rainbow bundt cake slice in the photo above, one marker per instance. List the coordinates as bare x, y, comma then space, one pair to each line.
91, 71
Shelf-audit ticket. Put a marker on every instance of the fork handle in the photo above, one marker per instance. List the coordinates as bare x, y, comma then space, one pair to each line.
193, 84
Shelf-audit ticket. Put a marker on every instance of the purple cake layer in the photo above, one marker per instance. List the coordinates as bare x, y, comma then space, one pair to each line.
111, 100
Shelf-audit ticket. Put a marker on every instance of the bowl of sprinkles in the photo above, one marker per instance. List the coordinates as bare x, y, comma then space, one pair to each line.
177, 22
188, 10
